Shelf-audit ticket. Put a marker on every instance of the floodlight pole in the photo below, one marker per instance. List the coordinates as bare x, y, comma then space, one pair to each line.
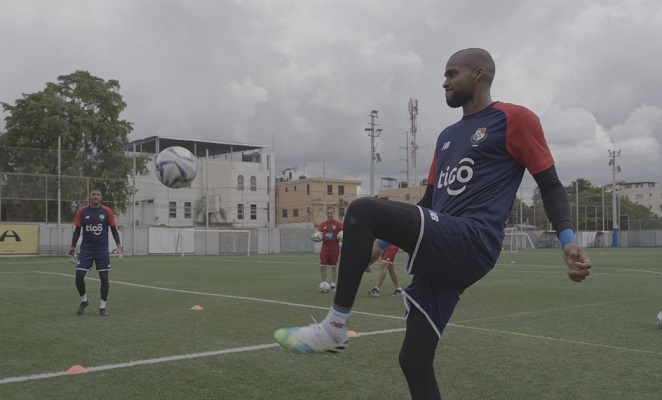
614, 168
372, 132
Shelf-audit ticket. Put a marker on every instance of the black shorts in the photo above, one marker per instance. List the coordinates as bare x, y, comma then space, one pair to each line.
86, 258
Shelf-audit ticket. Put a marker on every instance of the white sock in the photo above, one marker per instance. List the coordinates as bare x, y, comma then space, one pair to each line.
83, 298
103, 304
336, 323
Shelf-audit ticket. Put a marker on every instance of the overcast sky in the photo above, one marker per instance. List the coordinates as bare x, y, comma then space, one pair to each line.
301, 77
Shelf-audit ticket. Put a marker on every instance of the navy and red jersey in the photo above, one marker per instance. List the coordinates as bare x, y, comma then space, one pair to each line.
94, 223
330, 231
479, 163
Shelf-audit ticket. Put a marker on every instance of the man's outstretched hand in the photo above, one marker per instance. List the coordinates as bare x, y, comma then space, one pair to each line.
576, 258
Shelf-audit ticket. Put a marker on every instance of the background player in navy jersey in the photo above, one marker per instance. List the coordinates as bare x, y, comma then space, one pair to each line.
94, 220
454, 235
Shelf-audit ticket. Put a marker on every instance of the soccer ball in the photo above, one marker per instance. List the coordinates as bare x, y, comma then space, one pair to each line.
317, 236
176, 167
658, 321
325, 287
339, 236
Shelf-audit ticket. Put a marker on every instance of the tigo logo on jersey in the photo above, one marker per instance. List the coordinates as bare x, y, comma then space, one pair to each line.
96, 229
461, 174
478, 136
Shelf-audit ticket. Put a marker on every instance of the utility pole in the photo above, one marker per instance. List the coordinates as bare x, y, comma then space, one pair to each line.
413, 112
373, 133
614, 168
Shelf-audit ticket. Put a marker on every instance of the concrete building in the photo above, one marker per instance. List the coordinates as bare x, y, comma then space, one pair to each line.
304, 200
403, 193
234, 187
646, 194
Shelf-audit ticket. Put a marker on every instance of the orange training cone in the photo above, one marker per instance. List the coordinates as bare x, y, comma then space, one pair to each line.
75, 370
352, 334
196, 308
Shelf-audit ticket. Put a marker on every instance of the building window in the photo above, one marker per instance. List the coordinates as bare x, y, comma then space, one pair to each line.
341, 212
308, 189
253, 183
295, 213
187, 209
284, 213
172, 207
341, 190
329, 189
240, 182
253, 211
240, 211
268, 184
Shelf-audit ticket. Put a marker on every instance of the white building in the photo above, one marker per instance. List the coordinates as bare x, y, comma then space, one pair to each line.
234, 187
646, 194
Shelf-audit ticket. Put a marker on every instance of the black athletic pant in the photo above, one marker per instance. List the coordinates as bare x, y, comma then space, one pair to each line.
398, 224
367, 219
103, 277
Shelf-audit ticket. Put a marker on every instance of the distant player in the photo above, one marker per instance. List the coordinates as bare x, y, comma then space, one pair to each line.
330, 246
387, 252
94, 220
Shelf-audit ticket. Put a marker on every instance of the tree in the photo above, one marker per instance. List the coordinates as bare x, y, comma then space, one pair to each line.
84, 112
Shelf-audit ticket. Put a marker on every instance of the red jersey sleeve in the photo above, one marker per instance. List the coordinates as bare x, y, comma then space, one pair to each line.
78, 221
432, 172
525, 140
111, 216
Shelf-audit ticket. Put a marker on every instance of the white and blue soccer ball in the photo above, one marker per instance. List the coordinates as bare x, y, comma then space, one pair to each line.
325, 287
658, 321
317, 236
339, 236
176, 167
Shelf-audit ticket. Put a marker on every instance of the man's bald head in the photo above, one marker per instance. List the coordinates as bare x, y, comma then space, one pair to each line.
476, 58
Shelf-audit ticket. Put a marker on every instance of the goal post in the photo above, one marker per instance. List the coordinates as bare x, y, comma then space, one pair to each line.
213, 241
516, 240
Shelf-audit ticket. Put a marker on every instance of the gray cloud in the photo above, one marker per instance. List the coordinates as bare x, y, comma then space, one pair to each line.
303, 76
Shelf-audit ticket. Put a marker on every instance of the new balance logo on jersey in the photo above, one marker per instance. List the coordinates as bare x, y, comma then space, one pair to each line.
455, 179
446, 145
96, 229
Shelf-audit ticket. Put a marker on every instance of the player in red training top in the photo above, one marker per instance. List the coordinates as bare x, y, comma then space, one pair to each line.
94, 220
330, 246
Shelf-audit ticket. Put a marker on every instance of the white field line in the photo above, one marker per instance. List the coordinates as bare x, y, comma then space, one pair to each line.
140, 362
222, 295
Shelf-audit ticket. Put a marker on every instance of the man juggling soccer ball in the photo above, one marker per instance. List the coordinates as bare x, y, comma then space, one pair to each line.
455, 233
